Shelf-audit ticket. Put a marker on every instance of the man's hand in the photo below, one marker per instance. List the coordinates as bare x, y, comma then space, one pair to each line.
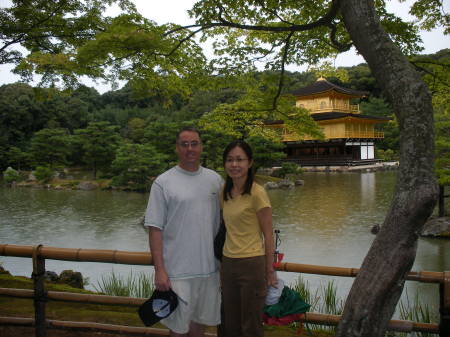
162, 281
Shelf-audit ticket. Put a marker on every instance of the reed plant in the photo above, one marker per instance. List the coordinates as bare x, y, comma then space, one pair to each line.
416, 311
133, 285
325, 300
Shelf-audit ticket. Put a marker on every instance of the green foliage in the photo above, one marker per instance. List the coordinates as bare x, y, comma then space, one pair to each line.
442, 162
214, 143
266, 151
50, 147
376, 107
287, 168
386, 155
434, 69
20, 114
254, 106
135, 130
18, 158
391, 140
43, 174
10, 175
99, 142
162, 135
51, 32
135, 164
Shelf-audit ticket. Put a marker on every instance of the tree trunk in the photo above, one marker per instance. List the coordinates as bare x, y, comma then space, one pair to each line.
441, 200
378, 286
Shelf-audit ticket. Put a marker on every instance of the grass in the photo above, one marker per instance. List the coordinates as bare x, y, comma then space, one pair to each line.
140, 285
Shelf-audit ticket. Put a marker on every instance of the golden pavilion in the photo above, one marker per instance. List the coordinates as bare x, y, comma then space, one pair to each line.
349, 135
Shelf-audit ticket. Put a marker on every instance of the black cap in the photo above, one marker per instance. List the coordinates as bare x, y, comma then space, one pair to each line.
157, 307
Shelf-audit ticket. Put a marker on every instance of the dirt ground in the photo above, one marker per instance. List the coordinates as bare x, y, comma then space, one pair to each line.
13, 331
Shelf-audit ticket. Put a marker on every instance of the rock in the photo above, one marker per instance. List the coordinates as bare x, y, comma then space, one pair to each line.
375, 229
87, 186
31, 177
437, 227
286, 184
270, 185
72, 278
299, 182
51, 276
4, 271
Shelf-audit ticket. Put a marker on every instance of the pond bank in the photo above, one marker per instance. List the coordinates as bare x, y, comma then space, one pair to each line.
382, 166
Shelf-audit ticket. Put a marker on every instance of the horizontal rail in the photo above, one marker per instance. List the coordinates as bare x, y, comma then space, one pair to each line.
79, 254
311, 317
86, 326
74, 297
144, 258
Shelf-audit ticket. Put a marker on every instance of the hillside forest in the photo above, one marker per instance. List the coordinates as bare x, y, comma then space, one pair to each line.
128, 136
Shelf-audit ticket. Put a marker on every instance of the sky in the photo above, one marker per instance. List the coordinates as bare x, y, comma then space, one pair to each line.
162, 11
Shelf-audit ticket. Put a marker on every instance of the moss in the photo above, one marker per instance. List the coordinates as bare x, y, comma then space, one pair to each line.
82, 312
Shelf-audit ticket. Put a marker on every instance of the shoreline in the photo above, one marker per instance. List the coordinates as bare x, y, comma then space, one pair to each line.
105, 184
382, 166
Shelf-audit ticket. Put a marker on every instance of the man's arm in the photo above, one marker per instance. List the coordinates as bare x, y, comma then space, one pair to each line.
162, 281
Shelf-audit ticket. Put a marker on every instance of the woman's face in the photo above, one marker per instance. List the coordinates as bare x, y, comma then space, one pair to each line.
237, 163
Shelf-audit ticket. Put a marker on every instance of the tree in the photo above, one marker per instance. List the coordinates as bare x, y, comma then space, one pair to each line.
18, 158
136, 164
50, 147
162, 135
99, 143
293, 30
47, 30
266, 152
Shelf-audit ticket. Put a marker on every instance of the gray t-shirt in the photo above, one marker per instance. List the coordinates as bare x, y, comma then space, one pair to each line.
185, 206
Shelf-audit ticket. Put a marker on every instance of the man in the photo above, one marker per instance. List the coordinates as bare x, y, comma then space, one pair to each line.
183, 215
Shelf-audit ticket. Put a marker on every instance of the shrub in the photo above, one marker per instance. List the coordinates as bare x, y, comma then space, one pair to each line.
43, 174
387, 155
10, 175
287, 169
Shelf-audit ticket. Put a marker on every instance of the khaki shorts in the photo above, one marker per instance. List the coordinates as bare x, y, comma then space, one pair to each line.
199, 302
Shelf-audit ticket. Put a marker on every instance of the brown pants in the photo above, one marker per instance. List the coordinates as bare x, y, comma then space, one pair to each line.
243, 295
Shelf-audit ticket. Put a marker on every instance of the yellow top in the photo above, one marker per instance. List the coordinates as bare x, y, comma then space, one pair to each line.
244, 237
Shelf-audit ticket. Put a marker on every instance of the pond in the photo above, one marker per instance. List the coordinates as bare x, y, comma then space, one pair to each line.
325, 222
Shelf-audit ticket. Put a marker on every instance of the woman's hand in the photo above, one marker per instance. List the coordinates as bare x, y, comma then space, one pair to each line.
272, 279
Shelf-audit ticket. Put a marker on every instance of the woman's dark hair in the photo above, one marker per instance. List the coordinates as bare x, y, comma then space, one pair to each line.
250, 175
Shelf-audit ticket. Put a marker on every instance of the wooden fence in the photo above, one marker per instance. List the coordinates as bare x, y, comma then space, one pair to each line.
41, 296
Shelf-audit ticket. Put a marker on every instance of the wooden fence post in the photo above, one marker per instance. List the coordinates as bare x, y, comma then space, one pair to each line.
444, 292
40, 295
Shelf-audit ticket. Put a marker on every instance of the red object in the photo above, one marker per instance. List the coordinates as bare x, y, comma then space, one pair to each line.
286, 320
278, 259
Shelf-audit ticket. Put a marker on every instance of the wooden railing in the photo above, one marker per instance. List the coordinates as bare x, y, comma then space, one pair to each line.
41, 296
340, 107
334, 134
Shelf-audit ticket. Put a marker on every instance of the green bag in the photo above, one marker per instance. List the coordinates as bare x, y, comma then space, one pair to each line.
290, 302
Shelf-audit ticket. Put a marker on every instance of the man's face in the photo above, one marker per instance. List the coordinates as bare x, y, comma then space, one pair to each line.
189, 149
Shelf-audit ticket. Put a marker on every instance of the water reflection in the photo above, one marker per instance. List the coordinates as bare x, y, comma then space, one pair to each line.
325, 222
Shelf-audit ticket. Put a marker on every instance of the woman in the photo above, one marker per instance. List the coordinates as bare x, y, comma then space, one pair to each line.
248, 253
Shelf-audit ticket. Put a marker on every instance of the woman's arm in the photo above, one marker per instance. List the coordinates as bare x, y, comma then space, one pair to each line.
265, 222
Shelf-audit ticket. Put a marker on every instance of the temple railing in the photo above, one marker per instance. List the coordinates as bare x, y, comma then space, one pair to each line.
40, 253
